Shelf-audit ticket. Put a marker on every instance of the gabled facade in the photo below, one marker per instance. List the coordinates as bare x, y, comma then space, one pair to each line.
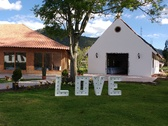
21, 47
119, 50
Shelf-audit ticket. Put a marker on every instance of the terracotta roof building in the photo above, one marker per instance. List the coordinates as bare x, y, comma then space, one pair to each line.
21, 47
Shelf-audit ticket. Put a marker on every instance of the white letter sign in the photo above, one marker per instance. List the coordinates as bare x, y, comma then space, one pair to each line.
58, 91
82, 86
98, 83
112, 86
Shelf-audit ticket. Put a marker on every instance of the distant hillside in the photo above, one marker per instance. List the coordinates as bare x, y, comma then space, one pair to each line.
83, 42
160, 51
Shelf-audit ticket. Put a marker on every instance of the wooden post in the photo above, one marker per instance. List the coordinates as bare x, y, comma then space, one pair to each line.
43, 59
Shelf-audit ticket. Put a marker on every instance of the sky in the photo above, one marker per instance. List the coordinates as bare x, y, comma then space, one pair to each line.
19, 12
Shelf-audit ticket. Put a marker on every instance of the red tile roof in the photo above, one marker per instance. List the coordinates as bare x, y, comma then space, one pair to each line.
18, 35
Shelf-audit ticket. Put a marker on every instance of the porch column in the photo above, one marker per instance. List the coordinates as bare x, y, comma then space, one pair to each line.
52, 62
43, 59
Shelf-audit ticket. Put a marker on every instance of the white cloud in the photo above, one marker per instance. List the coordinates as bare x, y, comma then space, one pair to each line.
156, 35
164, 16
28, 20
140, 16
34, 25
97, 26
6, 22
165, 11
164, 21
126, 15
143, 1
6, 5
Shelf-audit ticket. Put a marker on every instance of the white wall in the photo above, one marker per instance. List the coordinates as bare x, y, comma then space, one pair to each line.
125, 41
156, 67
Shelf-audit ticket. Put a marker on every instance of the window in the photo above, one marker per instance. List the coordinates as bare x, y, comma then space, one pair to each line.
52, 61
21, 61
37, 61
10, 57
9, 61
14, 60
118, 29
48, 61
57, 61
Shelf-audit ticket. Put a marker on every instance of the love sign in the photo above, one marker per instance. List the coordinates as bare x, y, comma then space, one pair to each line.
82, 86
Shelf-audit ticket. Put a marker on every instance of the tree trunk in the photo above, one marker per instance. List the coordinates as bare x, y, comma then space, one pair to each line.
74, 39
73, 69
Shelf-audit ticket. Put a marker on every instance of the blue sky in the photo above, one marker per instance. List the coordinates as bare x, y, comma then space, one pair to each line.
19, 11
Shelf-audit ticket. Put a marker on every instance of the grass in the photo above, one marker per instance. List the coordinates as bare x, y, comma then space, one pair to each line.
3, 80
164, 68
140, 104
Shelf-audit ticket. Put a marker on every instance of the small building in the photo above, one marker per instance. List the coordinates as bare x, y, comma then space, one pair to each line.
21, 47
119, 50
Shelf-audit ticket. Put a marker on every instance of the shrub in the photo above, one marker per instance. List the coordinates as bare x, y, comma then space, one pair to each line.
65, 73
17, 74
80, 72
65, 77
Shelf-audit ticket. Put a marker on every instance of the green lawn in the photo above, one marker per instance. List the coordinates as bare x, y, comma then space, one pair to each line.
164, 68
3, 80
139, 105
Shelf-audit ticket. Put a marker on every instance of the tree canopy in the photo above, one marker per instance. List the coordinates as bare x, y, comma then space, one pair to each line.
165, 52
73, 15
70, 17
166, 45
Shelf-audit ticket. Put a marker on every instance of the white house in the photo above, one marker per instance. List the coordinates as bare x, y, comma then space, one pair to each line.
121, 51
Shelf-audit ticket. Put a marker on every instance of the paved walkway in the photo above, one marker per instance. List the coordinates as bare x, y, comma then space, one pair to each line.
51, 78
126, 78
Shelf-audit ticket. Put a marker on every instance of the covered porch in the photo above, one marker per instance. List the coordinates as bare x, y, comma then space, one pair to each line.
31, 61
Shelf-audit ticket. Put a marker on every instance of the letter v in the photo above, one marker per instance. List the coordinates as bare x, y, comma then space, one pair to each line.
98, 83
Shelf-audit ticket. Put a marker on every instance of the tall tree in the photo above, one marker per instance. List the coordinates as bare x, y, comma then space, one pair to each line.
73, 16
165, 52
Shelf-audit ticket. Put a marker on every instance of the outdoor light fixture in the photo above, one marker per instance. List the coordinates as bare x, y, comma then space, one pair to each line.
96, 55
138, 55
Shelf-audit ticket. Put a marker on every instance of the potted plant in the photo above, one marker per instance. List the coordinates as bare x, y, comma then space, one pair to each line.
80, 72
17, 74
43, 73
